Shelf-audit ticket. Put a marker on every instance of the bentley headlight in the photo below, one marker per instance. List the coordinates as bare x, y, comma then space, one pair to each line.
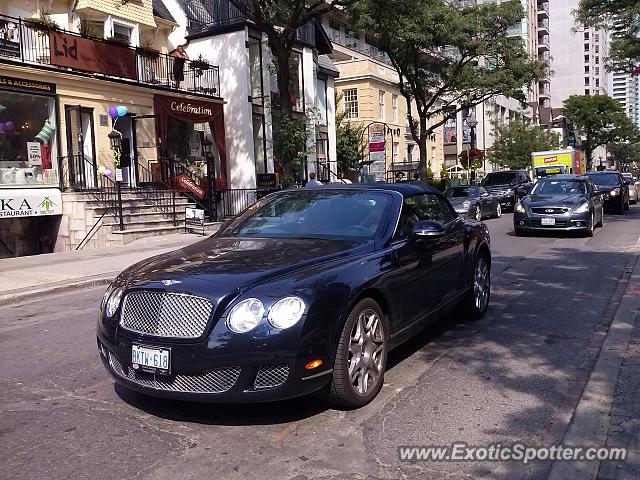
582, 208
466, 204
245, 315
519, 208
112, 302
286, 312
615, 192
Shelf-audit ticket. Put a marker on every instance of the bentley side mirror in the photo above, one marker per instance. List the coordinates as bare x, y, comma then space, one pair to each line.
426, 229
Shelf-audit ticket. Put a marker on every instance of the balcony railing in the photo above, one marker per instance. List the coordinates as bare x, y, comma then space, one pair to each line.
352, 43
72, 52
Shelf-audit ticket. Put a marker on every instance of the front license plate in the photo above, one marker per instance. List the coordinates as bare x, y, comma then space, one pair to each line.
153, 360
548, 221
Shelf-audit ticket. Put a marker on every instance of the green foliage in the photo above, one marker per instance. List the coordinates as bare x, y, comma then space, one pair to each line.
289, 142
349, 149
516, 141
600, 120
622, 17
450, 57
625, 153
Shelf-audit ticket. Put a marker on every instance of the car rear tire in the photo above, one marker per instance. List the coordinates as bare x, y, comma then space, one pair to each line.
520, 232
626, 205
477, 301
498, 210
361, 357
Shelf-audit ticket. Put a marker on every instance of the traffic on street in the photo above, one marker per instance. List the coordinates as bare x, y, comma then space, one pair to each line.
514, 376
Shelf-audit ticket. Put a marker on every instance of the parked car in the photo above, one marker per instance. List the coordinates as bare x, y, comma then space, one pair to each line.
508, 186
560, 202
614, 189
633, 187
306, 291
474, 202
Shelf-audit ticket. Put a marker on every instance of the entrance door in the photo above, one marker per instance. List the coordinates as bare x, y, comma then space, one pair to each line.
125, 126
81, 149
144, 149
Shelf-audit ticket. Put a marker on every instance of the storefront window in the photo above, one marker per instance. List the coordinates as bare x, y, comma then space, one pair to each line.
258, 143
27, 139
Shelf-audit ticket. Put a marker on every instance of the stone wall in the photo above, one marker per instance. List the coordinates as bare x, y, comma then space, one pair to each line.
77, 220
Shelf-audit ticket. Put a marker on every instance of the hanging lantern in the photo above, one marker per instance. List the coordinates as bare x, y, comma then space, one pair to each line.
115, 138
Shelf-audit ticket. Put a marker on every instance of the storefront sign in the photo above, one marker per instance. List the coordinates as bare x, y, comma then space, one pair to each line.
30, 86
186, 182
9, 39
21, 202
92, 55
194, 219
267, 180
34, 154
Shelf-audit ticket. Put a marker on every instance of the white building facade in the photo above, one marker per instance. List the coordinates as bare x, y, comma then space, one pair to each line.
219, 34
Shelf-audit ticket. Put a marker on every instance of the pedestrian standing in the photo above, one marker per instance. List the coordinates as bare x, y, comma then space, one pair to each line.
180, 57
312, 181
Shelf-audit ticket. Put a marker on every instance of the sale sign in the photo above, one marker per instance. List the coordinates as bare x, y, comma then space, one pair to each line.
34, 154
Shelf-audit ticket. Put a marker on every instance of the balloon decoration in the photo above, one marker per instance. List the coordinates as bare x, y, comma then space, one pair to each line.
101, 170
9, 126
46, 132
122, 110
113, 112
107, 173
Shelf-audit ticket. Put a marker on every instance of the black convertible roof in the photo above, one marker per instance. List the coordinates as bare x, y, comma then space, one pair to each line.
406, 189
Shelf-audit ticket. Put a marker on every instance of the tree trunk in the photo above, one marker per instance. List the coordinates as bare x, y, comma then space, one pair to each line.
422, 147
282, 59
588, 152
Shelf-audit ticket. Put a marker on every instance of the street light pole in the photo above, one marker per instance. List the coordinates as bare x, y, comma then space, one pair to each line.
472, 123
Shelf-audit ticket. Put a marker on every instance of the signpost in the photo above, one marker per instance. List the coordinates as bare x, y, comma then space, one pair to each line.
193, 219
34, 154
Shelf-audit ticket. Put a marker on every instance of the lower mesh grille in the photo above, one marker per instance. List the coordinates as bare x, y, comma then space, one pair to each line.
219, 380
270, 376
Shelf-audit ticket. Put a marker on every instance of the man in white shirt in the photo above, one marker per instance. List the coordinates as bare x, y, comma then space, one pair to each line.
312, 181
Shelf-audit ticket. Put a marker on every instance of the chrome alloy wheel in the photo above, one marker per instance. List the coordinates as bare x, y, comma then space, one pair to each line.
498, 211
366, 352
481, 285
478, 213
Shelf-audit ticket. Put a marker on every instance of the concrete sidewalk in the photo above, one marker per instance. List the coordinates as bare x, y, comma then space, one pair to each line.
38, 275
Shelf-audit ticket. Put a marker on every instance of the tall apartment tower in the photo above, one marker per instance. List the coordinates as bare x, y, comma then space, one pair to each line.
578, 55
625, 88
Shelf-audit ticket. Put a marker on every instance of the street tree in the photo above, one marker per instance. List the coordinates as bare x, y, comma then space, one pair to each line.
600, 120
349, 149
449, 58
622, 18
625, 153
517, 140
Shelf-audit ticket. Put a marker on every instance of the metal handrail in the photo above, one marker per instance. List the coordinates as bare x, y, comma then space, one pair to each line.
155, 190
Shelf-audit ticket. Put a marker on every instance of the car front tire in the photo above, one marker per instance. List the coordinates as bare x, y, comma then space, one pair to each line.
361, 357
592, 225
498, 210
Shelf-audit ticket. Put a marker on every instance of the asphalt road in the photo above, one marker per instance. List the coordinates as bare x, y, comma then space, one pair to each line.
514, 376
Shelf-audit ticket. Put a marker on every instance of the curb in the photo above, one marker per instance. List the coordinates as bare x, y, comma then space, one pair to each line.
590, 422
47, 290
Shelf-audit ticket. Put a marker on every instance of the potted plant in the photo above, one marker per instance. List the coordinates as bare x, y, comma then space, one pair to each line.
200, 63
122, 42
147, 50
42, 23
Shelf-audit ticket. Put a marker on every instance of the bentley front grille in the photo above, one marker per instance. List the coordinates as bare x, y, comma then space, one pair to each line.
271, 376
219, 380
165, 314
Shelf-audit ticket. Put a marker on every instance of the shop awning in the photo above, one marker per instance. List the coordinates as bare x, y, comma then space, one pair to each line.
30, 202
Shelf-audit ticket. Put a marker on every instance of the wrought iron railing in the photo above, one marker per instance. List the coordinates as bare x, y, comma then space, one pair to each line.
154, 190
82, 176
235, 201
31, 43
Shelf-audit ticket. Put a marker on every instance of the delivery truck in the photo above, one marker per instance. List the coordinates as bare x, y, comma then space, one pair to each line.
556, 162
